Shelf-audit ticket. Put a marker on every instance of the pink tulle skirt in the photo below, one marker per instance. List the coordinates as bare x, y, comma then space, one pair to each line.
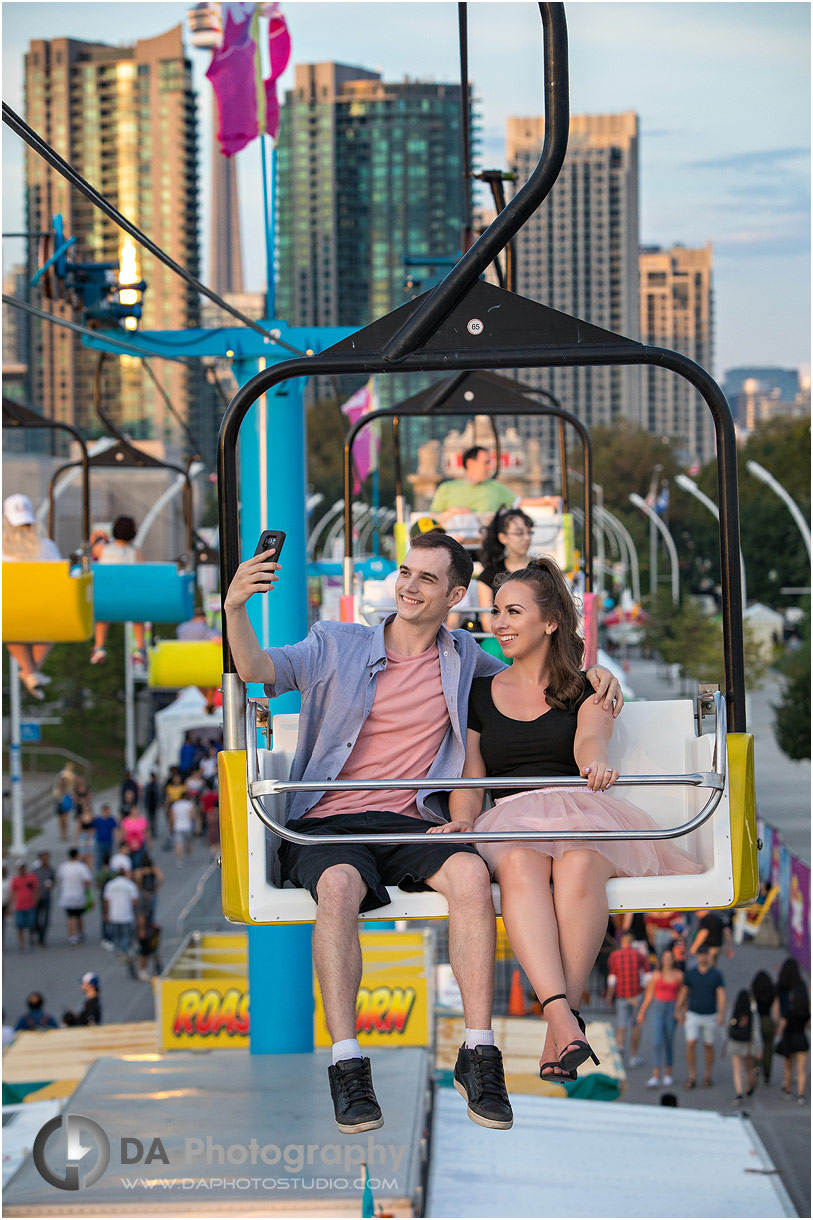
564, 809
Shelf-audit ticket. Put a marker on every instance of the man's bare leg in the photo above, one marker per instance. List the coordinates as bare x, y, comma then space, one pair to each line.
336, 947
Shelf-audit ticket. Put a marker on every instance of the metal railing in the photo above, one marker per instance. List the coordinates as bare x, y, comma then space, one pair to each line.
715, 780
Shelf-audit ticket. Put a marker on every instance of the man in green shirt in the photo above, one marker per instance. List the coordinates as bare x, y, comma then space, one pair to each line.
475, 493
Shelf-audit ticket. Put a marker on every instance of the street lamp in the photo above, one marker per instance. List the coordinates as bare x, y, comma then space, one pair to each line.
656, 523
759, 472
688, 485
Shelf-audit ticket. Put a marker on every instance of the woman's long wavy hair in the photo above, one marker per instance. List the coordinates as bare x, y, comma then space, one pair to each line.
492, 550
555, 602
21, 540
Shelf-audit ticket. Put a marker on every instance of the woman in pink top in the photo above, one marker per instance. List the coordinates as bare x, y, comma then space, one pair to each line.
661, 991
133, 834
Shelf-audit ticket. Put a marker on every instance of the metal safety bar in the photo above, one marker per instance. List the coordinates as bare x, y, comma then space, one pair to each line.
715, 780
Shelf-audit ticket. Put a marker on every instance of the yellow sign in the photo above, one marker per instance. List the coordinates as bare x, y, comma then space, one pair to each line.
203, 1014
393, 1007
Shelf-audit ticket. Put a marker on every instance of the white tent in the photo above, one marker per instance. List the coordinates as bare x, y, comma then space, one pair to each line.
171, 726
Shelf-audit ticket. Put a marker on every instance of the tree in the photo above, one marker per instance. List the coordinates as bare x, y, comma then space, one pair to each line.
688, 637
792, 713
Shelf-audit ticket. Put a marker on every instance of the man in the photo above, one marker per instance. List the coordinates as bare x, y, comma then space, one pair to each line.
625, 985
45, 879
390, 700
24, 894
476, 492
120, 898
35, 1016
91, 1011
74, 879
712, 932
701, 1005
105, 826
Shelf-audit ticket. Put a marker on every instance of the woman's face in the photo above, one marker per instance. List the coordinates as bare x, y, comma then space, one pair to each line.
518, 623
667, 961
515, 538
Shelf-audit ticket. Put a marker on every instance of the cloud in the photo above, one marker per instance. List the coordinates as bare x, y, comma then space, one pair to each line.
765, 159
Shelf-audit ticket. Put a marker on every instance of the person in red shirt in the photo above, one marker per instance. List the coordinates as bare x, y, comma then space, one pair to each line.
627, 968
25, 891
210, 810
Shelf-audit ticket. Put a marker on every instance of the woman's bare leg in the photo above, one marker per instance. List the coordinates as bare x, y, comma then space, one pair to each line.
580, 902
530, 921
801, 1072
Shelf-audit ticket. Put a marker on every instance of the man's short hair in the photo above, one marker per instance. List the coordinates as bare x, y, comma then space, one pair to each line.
461, 564
471, 454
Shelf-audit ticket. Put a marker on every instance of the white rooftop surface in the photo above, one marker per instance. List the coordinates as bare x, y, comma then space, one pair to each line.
593, 1159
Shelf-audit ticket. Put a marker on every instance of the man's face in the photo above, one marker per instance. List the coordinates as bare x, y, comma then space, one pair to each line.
478, 468
422, 593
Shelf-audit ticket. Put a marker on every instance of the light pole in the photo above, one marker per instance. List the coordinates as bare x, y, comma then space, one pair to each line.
622, 533
655, 523
688, 485
759, 472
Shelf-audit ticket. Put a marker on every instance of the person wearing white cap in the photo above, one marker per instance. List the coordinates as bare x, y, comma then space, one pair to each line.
22, 543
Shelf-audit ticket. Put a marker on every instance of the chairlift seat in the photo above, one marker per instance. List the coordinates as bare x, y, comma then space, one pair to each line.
46, 603
650, 738
146, 593
179, 663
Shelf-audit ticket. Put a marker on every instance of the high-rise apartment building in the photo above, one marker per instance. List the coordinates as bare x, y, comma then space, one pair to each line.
369, 172
579, 253
125, 118
676, 313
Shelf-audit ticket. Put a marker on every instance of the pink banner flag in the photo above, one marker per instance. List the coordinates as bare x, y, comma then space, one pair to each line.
247, 105
367, 443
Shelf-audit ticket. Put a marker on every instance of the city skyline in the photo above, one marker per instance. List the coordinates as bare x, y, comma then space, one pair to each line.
721, 161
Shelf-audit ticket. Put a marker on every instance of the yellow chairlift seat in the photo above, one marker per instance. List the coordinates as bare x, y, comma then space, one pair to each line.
179, 663
46, 603
650, 739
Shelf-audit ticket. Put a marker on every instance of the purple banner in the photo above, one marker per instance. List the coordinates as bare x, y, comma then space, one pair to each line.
799, 913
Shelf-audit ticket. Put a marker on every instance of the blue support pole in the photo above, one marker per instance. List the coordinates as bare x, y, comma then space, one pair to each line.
272, 493
268, 216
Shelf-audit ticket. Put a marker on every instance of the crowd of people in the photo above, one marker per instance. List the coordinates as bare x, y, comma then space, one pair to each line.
111, 859
676, 983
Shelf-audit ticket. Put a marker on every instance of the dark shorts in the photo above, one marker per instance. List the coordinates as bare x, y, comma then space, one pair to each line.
404, 864
75, 912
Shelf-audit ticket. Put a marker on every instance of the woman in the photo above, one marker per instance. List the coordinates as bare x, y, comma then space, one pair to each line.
744, 1044
763, 989
134, 835
661, 992
62, 792
536, 718
22, 543
120, 550
86, 835
505, 549
794, 1017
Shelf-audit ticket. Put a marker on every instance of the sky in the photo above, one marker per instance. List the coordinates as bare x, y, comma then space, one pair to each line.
722, 91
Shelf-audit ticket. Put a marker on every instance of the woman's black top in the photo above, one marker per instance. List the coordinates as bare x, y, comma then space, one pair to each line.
543, 746
490, 573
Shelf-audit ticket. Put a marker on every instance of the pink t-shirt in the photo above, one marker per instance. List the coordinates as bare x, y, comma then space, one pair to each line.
400, 738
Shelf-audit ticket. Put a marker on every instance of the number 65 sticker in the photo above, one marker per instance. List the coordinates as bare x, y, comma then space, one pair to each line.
474, 326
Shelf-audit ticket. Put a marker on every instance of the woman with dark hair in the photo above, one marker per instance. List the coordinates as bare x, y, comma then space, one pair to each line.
744, 1044
505, 549
537, 718
763, 989
120, 550
794, 1018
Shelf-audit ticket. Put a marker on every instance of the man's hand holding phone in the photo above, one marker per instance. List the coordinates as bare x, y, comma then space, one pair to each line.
258, 574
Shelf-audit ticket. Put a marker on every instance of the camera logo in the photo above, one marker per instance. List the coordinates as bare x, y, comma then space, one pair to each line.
76, 1150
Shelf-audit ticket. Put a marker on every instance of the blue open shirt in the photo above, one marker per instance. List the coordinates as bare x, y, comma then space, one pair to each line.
335, 668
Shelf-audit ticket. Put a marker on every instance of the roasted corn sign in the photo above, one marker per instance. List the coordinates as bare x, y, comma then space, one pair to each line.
393, 1006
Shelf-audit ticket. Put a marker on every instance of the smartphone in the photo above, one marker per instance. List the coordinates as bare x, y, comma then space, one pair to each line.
271, 539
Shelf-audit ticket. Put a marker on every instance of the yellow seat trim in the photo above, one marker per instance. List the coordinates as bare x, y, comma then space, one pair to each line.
743, 801
43, 603
177, 663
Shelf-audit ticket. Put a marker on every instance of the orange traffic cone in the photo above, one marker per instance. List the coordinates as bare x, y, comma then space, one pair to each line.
516, 1000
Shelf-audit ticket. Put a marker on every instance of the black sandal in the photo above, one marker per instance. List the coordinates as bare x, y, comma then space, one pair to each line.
560, 1073
571, 1059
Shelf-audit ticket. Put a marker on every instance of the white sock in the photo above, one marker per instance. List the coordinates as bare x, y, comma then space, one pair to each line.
479, 1037
348, 1049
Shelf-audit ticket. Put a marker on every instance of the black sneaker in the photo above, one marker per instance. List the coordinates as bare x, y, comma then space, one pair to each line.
478, 1076
354, 1101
